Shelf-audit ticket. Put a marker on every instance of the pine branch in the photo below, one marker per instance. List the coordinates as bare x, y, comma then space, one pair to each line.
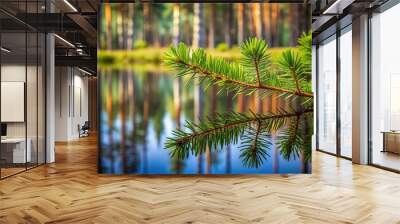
222, 130
305, 43
307, 133
255, 58
292, 65
254, 146
296, 139
231, 77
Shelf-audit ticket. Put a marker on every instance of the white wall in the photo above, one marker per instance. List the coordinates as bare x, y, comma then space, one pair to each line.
80, 110
16, 73
71, 94
62, 82
33, 126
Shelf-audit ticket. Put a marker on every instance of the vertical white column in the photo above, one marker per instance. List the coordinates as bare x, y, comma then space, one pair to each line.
360, 90
50, 93
314, 88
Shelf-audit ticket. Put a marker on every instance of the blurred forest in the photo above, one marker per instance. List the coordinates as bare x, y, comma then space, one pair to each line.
220, 25
142, 103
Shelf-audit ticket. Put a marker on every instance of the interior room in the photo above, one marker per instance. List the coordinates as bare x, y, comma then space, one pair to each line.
385, 89
71, 102
338, 87
22, 97
92, 93
75, 73
45, 81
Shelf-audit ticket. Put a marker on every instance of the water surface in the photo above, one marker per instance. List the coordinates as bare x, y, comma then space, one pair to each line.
140, 109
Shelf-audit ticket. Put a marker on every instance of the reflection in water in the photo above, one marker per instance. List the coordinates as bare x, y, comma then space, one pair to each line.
140, 110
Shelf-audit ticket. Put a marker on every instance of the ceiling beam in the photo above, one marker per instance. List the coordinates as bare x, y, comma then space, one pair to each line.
89, 30
79, 61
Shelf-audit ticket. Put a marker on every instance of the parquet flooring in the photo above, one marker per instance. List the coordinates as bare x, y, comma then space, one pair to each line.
70, 191
10, 171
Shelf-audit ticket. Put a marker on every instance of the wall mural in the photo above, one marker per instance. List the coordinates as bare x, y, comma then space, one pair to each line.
205, 88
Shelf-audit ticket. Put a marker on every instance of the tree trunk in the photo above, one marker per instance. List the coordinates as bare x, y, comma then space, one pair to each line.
276, 155
307, 17
198, 26
177, 163
146, 112
120, 26
198, 112
257, 22
275, 24
178, 100
198, 41
125, 21
177, 81
107, 15
241, 105
228, 147
228, 25
250, 19
281, 26
267, 22
132, 106
214, 92
175, 29
155, 34
295, 22
130, 26
187, 32
122, 114
211, 26
240, 27
258, 104
109, 106
147, 35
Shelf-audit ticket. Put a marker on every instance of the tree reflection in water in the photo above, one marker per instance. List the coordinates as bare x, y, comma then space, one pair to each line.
254, 75
168, 109
140, 109
148, 125
253, 132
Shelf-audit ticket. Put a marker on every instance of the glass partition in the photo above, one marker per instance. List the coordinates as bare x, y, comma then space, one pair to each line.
346, 93
13, 109
327, 96
22, 89
32, 98
385, 89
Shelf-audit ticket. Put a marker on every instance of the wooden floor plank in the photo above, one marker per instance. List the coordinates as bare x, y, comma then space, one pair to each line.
70, 191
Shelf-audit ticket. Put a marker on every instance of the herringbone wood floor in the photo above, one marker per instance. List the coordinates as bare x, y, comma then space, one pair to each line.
70, 191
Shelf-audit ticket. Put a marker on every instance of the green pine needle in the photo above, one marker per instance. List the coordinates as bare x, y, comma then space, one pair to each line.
224, 129
253, 73
254, 147
295, 141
